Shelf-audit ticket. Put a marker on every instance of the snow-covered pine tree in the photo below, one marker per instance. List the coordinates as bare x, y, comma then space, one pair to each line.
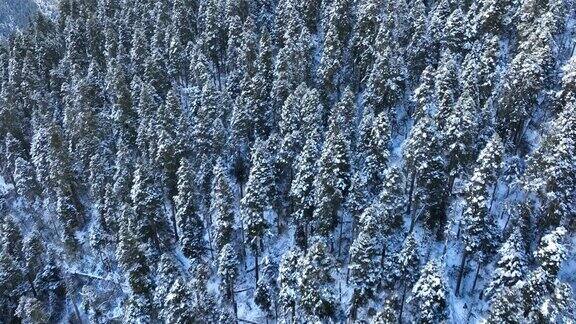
479, 231
289, 294
545, 298
302, 188
511, 268
332, 181
227, 269
167, 273
257, 201
429, 294
315, 283
364, 265
550, 173
177, 304
132, 259
222, 206
428, 180
378, 149
188, 223
363, 36
408, 265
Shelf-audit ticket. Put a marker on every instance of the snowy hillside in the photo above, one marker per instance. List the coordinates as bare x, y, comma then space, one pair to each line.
336, 161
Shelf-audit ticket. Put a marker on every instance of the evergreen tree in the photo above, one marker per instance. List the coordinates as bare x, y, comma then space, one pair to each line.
332, 182
257, 200
364, 35
378, 148
167, 274
222, 199
364, 263
511, 267
289, 295
302, 187
429, 294
391, 201
408, 266
550, 174
11, 280
317, 296
388, 314
427, 179
227, 269
478, 228
545, 297
177, 303
146, 196
133, 261
189, 226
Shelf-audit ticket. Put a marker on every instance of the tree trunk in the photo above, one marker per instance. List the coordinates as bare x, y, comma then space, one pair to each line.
410, 193
402, 303
31, 282
493, 195
341, 233
461, 272
476, 277
256, 269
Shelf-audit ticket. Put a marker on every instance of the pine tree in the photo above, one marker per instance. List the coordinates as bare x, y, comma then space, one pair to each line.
266, 293
364, 263
545, 298
408, 261
424, 94
188, 223
135, 265
11, 280
336, 34
511, 267
222, 199
446, 85
391, 201
317, 297
227, 270
177, 303
146, 196
302, 187
378, 149
289, 295
388, 314
257, 200
167, 273
478, 227
487, 67
386, 79
454, 34
332, 182
33, 256
32, 310
504, 307
429, 294
364, 35
566, 94
289, 126
167, 149
549, 172
428, 180
460, 134
493, 16
416, 51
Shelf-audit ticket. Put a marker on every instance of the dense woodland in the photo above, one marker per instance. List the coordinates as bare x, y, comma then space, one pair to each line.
290, 161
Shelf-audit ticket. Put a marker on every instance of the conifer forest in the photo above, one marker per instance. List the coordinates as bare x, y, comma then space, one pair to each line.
287, 161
